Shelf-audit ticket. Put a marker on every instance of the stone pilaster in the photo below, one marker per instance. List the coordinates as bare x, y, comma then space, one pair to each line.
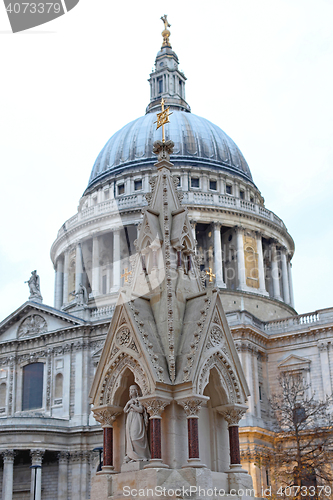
240, 259
95, 285
285, 277
261, 268
63, 457
155, 407
8, 474
275, 273
325, 368
78, 267
59, 279
66, 273
36, 474
116, 260
291, 288
232, 413
218, 257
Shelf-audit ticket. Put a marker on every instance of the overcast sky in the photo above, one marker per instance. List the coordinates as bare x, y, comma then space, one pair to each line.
260, 69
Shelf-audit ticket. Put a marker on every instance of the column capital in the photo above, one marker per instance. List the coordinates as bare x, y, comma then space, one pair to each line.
155, 405
36, 456
63, 457
232, 413
259, 234
217, 225
239, 229
107, 414
8, 456
192, 405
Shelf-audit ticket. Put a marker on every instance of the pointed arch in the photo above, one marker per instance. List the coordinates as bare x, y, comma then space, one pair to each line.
227, 377
113, 379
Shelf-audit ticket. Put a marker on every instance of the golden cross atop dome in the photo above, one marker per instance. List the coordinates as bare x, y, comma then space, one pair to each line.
163, 118
166, 33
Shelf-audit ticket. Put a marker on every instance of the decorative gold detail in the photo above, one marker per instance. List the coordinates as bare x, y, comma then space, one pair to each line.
163, 118
166, 33
210, 274
251, 261
126, 274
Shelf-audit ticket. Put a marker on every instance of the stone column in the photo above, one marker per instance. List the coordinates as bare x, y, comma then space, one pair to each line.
95, 267
116, 260
325, 368
256, 384
63, 475
232, 413
155, 408
285, 277
218, 258
261, 268
58, 288
106, 415
65, 286
192, 407
36, 474
76, 458
8, 474
249, 376
78, 267
291, 288
240, 259
275, 273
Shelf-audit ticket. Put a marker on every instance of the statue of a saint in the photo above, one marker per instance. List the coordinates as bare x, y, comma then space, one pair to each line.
81, 295
34, 286
137, 447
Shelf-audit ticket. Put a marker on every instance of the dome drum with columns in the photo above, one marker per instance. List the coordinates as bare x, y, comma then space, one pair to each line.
246, 245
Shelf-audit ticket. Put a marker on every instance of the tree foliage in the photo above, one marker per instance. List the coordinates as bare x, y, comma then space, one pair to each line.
303, 444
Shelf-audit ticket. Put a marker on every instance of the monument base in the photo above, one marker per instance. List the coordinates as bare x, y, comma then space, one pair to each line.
154, 483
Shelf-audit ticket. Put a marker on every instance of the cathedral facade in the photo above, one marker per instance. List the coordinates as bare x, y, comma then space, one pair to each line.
49, 356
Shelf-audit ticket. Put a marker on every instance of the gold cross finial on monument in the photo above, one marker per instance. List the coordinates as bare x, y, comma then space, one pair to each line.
126, 274
163, 118
211, 275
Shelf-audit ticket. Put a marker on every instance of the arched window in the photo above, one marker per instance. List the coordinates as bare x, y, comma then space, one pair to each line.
32, 395
3, 395
58, 388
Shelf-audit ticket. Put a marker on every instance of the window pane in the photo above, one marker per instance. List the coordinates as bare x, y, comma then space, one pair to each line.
194, 182
137, 185
32, 386
213, 185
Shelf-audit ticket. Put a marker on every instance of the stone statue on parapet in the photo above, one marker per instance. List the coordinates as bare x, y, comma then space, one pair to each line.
81, 295
34, 287
137, 447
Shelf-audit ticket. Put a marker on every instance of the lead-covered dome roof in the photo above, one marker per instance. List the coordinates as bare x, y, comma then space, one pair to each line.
198, 142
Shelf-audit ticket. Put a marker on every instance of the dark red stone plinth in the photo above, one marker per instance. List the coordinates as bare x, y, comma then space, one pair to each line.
107, 446
155, 438
234, 444
193, 438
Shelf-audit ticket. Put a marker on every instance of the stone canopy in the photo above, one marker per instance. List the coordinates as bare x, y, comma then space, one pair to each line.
169, 335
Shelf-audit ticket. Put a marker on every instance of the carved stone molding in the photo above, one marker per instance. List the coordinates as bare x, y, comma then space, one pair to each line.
32, 325
155, 405
106, 415
192, 405
232, 413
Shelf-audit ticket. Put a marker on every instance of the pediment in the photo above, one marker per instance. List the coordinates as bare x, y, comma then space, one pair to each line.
131, 343
207, 341
294, 362
32, 320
